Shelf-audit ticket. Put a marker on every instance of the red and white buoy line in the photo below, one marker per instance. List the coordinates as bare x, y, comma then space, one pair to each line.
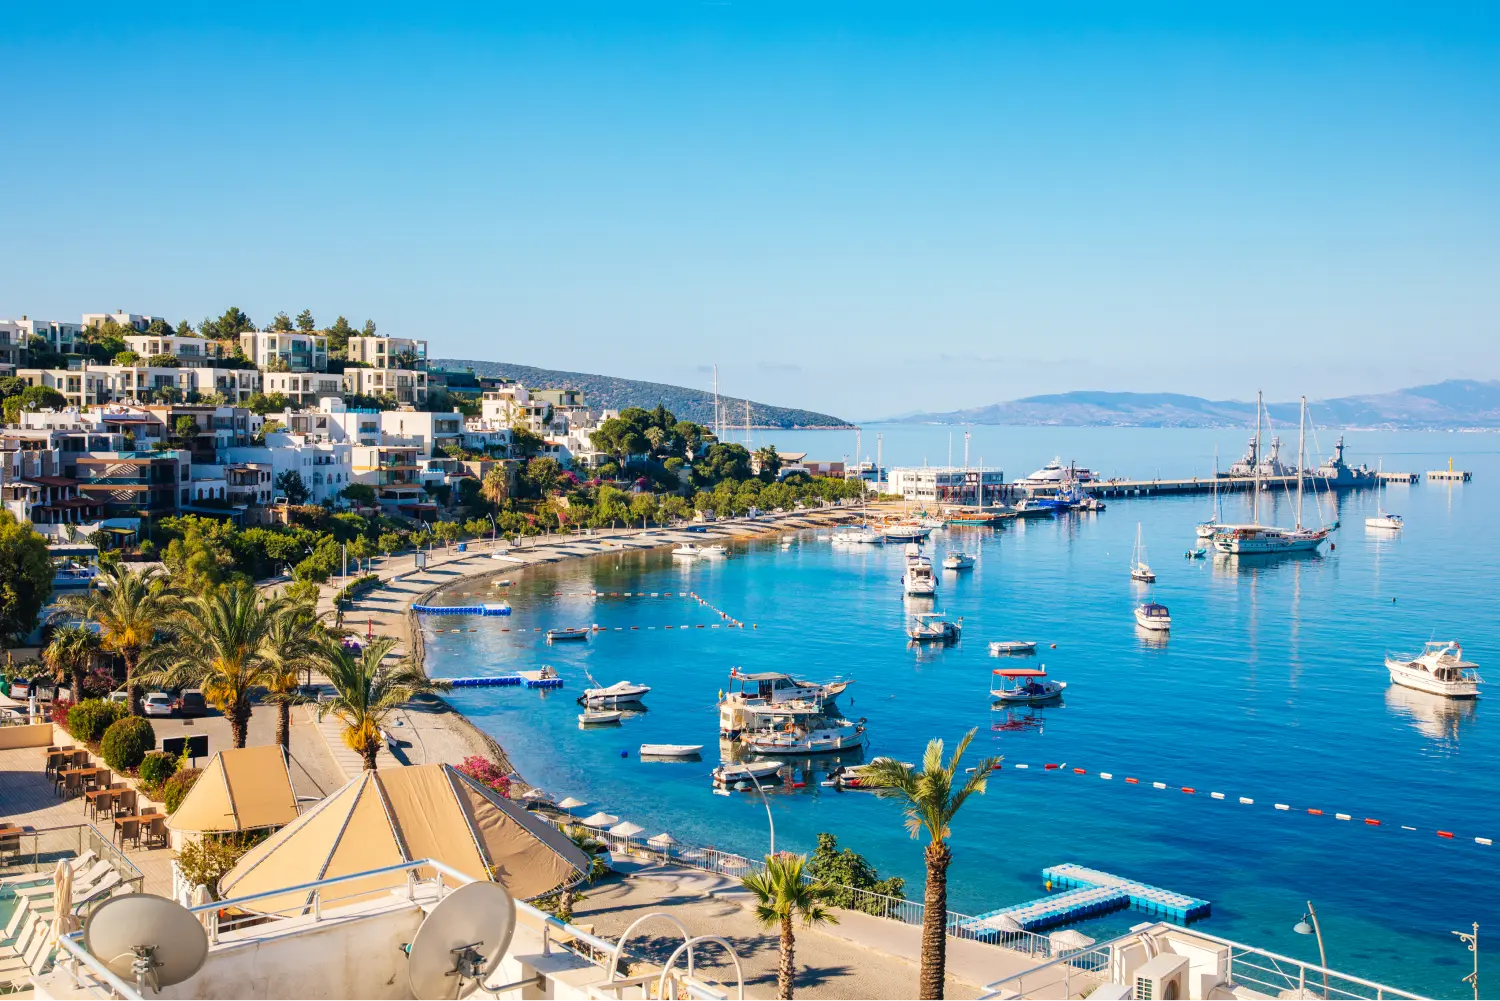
1064, 768
727, 621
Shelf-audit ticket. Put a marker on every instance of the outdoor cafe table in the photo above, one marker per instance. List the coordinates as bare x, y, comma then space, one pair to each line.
144, 818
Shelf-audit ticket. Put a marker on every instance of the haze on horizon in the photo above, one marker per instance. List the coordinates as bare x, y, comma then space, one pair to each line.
864, 209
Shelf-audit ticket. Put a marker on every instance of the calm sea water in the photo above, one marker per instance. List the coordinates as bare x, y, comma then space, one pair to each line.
1271, 686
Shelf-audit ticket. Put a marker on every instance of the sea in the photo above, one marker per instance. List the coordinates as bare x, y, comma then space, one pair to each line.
1270, 689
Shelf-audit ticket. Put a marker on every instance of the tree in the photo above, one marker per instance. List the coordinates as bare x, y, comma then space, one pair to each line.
185, 427
361, 494
233, 323
845, 871
447, 531
543, 474
291, 647
768, 461
305, 322
282, 323
163, 361
25, 576
781, 896
71, 654
583, 839
267, 403
643, 508
930, 799
291, 484
524, 443
612, 505
33, 398
219, 644
127, 358
495, 487
367, 690
184, 329
361, 548
369, 330
389, 542
129, 607
338, 336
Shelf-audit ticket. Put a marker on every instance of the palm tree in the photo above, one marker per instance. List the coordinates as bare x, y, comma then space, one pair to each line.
931, 798
129, 608
366, 690
291, 647
495, 487
71, 652
220, 644
781, 895
596, 850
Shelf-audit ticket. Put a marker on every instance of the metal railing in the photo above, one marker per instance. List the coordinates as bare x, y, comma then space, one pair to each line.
39, 852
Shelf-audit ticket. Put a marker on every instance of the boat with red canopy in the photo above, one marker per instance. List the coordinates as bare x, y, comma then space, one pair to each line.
1025, 685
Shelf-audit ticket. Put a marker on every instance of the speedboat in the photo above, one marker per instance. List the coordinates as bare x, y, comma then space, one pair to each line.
1440, 670
932, 627
764, 771
716, 549
797, 738
671, 750
1140, 570
1025, 685
570, 633
1154, 617
1196, 554
1002, 648
620, 691
687, 550
958, 561
596, 717
1032, 507
919, 579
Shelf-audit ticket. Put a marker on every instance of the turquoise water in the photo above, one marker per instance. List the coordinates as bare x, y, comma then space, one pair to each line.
1271, 686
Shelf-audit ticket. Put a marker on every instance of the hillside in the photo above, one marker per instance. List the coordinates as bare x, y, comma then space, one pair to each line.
1455, 403
616, 394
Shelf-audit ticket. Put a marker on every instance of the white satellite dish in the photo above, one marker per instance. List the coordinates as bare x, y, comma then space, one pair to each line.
461, 942
150, 940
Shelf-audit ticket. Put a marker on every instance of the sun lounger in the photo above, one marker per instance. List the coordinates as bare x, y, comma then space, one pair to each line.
13, 927
98, 891
78, 865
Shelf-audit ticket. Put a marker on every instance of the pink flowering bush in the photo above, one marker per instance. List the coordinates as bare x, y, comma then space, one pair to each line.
486, 773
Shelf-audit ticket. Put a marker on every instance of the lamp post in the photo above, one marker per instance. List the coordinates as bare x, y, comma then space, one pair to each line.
1472, 940
1303, 928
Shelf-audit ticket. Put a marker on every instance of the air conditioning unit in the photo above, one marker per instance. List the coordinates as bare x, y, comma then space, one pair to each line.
1162, 979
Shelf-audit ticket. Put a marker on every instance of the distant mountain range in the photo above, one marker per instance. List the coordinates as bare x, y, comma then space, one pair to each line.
616, 394
1454, 404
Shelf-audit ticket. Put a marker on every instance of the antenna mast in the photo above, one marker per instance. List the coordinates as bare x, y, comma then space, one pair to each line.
1301, 444
718, 436
1255, 500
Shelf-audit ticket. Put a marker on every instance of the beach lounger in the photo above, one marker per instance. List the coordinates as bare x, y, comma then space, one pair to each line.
99, 891
78, 865
13, 927
40, 953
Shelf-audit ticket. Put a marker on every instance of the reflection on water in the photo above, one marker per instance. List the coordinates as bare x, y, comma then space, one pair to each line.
1151, 637
1431, 715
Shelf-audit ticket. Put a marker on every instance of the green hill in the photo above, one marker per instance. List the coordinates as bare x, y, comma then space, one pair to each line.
617, 394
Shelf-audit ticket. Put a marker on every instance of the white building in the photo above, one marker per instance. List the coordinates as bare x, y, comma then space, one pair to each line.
136, 320
191, 351
60, 334
286, 351
81, 387
333, 421
303, 389
406, 385
938, 485
429, 432
388, 352
395, 471
324, 466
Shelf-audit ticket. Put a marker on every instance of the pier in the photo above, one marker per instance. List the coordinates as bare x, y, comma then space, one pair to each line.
1229, 484
1086, 893
1143, 897
504, 681
1449, 475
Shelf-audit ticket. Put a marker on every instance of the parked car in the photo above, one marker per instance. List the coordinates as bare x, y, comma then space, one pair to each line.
122, 696
192, 703
157, 704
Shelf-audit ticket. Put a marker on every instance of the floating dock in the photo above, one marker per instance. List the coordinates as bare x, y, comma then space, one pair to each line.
485, 609
1052, 910
1143, 897
501, 681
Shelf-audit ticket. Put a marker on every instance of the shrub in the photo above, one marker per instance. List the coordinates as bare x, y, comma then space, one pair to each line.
844, 871
60, 708
127, 742
88, 719
206, 861
176, 787
486, 773
156, 768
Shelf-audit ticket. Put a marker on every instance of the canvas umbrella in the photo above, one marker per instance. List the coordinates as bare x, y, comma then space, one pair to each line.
62, 891
1069, 938
1005, 923
662, 840
600, 819
571, 803
627, 830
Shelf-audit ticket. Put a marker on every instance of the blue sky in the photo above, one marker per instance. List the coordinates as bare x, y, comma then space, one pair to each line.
858, 207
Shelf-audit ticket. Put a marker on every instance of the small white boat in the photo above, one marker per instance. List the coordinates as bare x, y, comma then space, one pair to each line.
728, 775
714, 550
1002, 648
1207, 529
1140, 570
570, 633
1440, 670
1154, 617
919, 580
958, 561
931, 627
687, 550
1025, 685
1390, 522
797, 739
905, 532
595, 717
620, 691
1030, 507
861, 535
671, 750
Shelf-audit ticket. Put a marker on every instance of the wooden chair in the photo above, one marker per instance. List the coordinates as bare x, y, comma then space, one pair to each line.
125, 802
72, 785
103, 803
129, 830
102, 778
156, 834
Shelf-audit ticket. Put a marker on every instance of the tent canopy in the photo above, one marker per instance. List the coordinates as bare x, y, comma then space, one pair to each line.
385, 818
240, 790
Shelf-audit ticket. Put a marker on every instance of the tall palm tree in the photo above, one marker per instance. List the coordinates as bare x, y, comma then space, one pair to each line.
931, 798
291, 648
367, 690
71, 652
130, 608
220, 644
495, 487
596, 850
782, 894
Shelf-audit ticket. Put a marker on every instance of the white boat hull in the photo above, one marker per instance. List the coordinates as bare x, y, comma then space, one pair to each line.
1051, 690
1206, 530
1155, 623
613, 695
728, 774
1422, 681
599, 718
788, 746
671, 750
999, 647
1385, 522
1264, 542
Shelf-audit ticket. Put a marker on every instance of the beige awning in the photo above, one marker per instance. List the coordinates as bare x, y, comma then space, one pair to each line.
401, 815
241, 790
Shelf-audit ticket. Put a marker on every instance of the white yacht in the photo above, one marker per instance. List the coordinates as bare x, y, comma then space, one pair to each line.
716, 549
620, 691
1255, 539
958, 561
1055, 473
858, 535
754, 697
919, 580
1440, 670
810, 736
687, 550
1154, 617
1384, 519
1140, 570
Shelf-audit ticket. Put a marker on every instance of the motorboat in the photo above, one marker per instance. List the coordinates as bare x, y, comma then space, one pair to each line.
919, 580
1153, 616
857, 776
859, 535
774, 687
1055, 473
714, 549
570, 633
1025, 685
1005, 648
687, 550
620, 691
1439, 670
932, 627
1034, 507
671, 750
597, 717
1196, 554
905, 532
1140, 570
761, 771
767, 695
958, 561
798, 737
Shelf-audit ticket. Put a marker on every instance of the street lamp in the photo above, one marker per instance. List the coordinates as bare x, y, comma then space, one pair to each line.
1472, 940
1303, 928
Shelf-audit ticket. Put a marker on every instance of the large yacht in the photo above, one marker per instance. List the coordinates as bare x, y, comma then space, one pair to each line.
1253, 538
919, 580
1440, 670
1055, 474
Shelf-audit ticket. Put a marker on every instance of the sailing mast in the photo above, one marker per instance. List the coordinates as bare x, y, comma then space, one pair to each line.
1301, 444
1216, 483
718, 436
1255, 498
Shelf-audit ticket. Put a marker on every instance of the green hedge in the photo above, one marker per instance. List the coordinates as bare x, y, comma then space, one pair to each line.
88, 720
355, 588
177, 788
127, 742
156, 768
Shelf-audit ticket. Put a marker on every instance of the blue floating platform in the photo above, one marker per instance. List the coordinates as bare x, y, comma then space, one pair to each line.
499, 681
544, 683
1051, 910
1143, 896
489, 608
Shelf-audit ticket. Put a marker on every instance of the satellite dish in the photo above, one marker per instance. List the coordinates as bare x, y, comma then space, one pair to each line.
461, 942
150, 940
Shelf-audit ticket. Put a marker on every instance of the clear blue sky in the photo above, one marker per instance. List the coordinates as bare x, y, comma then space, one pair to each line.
859, 207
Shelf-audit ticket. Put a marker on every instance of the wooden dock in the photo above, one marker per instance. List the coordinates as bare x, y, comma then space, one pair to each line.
1228, 484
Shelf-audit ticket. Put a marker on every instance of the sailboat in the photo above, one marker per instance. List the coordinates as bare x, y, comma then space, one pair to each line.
1383, 518
1255, 539
1206, 529
1139, 569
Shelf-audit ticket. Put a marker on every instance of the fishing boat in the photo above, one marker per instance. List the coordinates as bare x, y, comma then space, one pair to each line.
671, 750
958, 561
1384, 519
1025, 685
762, 771
1140, 570
1439, 670
619, 692
1255, 539
774, 687
570, 633
857, 776
1007, 648
932, 627
687, 550
1153, 616
800, 737
919, 580
765, 696
598, 717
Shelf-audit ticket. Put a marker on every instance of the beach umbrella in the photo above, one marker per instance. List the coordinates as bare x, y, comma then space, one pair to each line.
600, 819
1005, 923
571, 803
536, 794
662, 840
1068, 938
627, 830
64, 922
